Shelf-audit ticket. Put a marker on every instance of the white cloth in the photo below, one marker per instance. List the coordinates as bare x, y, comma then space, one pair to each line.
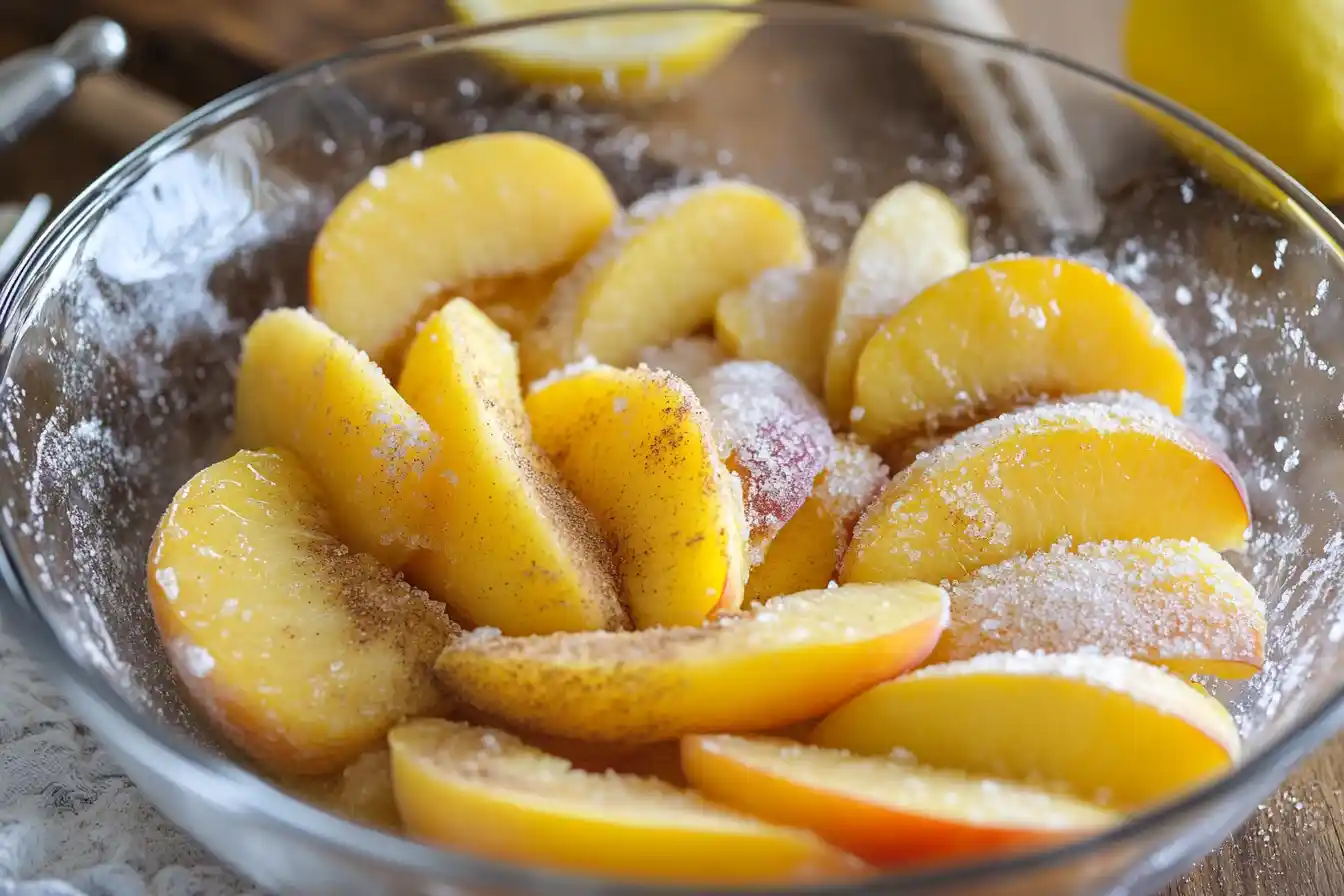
71, 824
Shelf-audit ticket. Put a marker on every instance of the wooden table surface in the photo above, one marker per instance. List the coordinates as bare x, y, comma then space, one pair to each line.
198, 49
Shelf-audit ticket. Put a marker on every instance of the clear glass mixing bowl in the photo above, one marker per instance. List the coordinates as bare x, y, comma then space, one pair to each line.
121, 329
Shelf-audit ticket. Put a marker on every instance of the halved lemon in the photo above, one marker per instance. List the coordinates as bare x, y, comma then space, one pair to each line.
636, 54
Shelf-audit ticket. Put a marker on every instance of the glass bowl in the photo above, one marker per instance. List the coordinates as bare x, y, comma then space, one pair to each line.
121, 329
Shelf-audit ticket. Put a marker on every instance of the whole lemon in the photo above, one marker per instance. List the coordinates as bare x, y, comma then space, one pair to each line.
1269, 71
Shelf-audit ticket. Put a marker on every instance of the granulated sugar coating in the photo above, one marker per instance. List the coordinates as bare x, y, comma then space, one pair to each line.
855, 474
1158, 600
772, 432
1019, 483
1091, 413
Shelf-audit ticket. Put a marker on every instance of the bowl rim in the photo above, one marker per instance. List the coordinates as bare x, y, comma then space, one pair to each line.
229, 785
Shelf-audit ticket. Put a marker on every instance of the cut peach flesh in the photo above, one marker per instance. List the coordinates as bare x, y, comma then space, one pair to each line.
787, 660
658, 272
434, 223
303, 653
1005, 330
803, 556
1114, 730
636, 447
773, 434
912, 237
514, 549
1085, 471
485, 792
304, 388
1175, 603
885, 812
807, 551
783, 316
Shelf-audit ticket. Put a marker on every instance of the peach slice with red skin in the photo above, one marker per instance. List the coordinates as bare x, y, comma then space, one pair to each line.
886, 812
773, 434
1131, 734
1085, 471
783, 317
807, 551
1010, 329
438, 222
912, 237
304, 388
636, 447
791, 659
659, 270
303, 653
486, 792
513, 548
1178, 604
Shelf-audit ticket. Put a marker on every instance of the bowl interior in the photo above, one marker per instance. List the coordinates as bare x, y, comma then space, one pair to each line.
121, 333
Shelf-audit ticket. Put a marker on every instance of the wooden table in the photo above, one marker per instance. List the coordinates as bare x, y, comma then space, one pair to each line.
197, 50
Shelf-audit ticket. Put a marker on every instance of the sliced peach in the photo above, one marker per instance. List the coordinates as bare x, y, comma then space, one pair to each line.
1111, 729
1175, 603
911, 238
987, 337
772, 434
486, 792
883, 811
807, 551
303, 387
438, 221
514, 549
1085, 471
303, 653
782, 316
636, 447
787, 660
661, 268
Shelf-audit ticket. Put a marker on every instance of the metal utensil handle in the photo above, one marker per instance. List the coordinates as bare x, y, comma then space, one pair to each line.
34, 83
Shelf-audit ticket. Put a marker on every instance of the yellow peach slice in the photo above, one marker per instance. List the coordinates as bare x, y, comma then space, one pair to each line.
1085, 471
987, 337
301, 652
484, 791
1111, 729
1175, 603
782, 316
658, 272
514, 549
636, 447
886, 812
772, 433
791, 659
432, 224
911, 238
304, 388
807, 551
